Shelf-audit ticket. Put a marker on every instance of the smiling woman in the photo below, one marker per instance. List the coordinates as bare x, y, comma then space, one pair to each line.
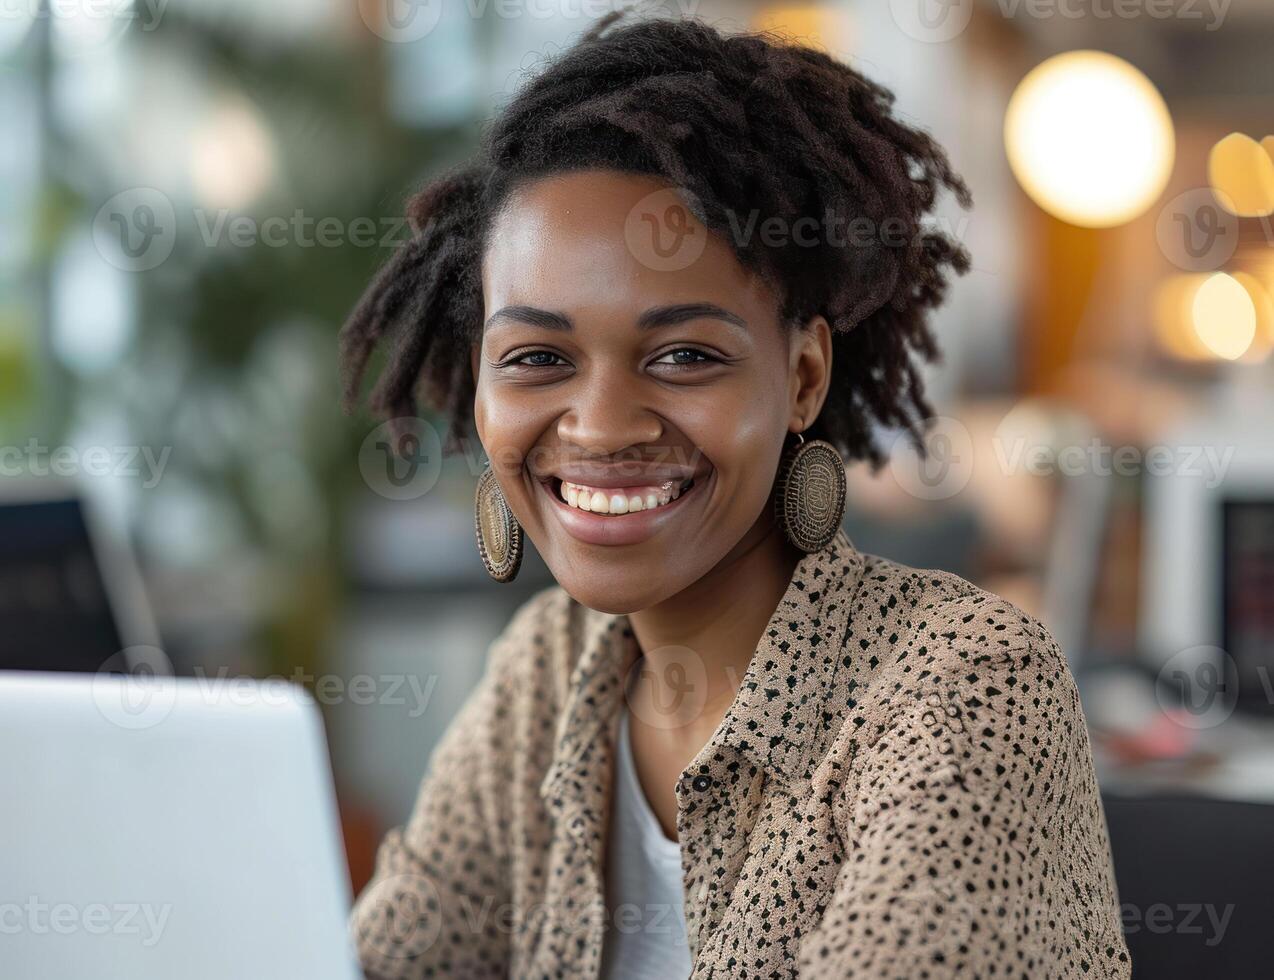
641, 376
676, 250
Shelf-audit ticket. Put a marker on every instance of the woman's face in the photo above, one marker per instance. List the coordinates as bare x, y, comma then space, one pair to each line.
626, 365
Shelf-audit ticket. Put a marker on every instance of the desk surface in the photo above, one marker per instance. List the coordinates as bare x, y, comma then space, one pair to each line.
1232, 760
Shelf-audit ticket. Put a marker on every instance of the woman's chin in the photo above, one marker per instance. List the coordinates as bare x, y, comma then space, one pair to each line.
614, 598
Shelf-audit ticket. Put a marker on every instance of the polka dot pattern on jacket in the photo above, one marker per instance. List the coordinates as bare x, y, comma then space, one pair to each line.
902, 788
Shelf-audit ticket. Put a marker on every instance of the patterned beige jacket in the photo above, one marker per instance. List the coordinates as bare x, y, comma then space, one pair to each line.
902, 788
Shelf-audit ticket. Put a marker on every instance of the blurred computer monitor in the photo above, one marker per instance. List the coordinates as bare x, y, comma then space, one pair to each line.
70, 595
1207, 533
1247, 597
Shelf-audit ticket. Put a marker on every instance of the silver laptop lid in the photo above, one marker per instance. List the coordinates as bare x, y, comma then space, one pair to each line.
158, 827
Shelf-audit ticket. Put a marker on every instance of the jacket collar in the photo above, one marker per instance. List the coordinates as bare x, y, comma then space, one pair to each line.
790, 667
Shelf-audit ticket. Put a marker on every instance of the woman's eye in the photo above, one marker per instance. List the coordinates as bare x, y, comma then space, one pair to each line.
682, 357
523, 359
696, 357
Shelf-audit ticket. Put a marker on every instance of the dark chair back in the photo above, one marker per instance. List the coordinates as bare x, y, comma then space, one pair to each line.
1196, 885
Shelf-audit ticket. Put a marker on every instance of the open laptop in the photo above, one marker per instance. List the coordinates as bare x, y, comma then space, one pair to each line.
155, 827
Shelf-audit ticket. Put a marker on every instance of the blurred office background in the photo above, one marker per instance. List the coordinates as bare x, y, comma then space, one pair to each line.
194, 193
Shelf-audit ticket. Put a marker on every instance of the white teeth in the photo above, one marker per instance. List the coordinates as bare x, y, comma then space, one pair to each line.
604, 502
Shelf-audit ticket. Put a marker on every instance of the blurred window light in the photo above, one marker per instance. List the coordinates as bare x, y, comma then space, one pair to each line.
89, 96
1241, 170
1224, 316
16, 19
520, 37
232, 157
434, 78
88, 27
1089, 138
92, 308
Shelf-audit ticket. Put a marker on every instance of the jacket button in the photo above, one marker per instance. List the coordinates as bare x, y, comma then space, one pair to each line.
701, 783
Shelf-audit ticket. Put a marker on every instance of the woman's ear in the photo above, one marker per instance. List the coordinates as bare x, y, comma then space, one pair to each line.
810, 346
475, 360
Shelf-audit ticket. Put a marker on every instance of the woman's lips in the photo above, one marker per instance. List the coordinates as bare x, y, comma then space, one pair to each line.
617, 529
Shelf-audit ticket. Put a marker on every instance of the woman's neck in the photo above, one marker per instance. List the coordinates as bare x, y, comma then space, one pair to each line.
705, 636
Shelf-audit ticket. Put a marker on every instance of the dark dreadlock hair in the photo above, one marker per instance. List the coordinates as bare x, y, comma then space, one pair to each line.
748, 123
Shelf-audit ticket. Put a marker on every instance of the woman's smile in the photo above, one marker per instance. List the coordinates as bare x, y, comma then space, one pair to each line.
614, 521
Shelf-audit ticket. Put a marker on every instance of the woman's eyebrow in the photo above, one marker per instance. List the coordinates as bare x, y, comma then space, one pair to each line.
531, 316
662, 316
658, 316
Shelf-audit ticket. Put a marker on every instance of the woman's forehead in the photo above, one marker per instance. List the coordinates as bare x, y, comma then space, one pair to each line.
610, 238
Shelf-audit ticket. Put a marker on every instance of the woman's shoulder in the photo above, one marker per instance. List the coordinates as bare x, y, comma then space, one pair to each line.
946, 617
969, 680
947, 640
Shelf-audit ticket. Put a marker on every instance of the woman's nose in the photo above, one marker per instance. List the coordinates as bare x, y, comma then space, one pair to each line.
605, 418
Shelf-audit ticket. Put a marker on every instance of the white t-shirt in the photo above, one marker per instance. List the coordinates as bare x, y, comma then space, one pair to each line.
646, 929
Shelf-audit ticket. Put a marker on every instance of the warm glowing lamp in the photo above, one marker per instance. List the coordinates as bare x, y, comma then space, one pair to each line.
1224, 316
1089, 138
1244, 170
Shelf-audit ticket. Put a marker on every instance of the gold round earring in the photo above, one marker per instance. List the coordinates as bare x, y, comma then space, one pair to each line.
809, 498
499, 533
